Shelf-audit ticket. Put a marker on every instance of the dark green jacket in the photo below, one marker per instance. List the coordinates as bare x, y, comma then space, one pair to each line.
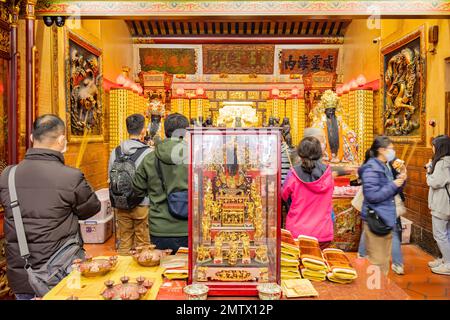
173, 156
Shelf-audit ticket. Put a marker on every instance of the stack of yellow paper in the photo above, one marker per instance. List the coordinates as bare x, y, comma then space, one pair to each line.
341, 271
290, 255
314, 265
296, 288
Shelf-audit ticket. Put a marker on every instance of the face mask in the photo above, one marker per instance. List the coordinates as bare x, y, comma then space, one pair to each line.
390, 155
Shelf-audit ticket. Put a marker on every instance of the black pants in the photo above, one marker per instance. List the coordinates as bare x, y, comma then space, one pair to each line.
173, 243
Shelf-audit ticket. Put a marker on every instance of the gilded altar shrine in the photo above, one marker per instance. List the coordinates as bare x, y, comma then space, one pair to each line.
234, 208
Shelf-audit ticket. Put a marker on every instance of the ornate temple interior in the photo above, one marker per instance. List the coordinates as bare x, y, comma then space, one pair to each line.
353, 76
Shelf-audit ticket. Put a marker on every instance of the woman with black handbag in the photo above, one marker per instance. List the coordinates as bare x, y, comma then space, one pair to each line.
378, 211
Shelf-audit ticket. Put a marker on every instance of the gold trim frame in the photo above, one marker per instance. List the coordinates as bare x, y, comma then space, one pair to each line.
420, 139
71, 36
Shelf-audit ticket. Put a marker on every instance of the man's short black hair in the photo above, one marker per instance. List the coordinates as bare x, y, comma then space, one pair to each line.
48, 126
173, 122
135, 124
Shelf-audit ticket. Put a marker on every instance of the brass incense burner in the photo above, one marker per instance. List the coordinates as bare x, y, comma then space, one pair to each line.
91, 267
126, 290
148, 256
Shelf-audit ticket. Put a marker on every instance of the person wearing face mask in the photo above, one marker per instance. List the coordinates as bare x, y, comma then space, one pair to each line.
380, 189
52, 197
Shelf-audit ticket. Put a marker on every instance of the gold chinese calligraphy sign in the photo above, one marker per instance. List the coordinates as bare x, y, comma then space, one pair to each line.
300, 61
238, 59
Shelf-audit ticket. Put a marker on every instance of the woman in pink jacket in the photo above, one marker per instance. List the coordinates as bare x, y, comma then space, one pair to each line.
309, 189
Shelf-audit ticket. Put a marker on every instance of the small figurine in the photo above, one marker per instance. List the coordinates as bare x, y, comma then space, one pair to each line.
258, 227
233, 253
261, 254
203, 254
218, 257
246, 250
206, 225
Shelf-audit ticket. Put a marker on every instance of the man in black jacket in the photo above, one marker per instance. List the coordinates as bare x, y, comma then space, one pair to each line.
52, 198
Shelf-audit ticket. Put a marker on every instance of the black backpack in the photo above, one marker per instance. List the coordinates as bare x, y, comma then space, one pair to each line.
121, 190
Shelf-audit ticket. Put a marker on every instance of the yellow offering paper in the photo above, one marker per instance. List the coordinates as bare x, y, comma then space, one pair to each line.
296, 288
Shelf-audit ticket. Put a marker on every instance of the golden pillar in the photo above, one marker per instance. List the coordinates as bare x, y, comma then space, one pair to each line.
361, 108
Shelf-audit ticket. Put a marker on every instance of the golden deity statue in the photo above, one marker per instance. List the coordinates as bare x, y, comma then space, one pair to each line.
258, 227
261, 254
233, 253
341, 144
218, 257
246, 250
206, 225
203, 254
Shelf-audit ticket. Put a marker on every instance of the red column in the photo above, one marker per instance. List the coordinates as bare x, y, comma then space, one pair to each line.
13, 118
30, 88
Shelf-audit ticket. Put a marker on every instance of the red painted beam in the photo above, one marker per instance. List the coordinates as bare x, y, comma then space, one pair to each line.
239, 40
13, 117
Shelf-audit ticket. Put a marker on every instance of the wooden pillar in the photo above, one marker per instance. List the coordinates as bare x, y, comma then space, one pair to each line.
13, 116
30, 72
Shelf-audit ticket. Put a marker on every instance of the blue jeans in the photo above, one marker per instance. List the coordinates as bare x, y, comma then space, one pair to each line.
173, 243
397, 256
24, 296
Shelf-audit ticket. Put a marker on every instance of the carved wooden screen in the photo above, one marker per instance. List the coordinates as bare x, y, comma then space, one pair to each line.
3, 113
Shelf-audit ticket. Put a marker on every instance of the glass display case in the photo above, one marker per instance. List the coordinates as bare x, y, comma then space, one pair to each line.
234, 208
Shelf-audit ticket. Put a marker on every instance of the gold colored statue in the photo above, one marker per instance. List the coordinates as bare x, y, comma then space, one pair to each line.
233, 253
203, 254
201, 274
258, 228
341, 143
218, 257
206, 225
246, 250
261, 254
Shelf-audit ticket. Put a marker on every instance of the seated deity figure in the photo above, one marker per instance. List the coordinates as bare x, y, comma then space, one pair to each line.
341, 144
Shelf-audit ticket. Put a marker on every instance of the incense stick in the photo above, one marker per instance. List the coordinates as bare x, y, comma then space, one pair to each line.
411, 154
83, 147
405, 150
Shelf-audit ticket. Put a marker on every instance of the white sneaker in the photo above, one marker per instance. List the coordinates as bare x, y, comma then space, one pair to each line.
442, 269
435, 263
398, 269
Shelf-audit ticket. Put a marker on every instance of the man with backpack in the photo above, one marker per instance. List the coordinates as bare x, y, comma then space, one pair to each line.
163, 176
131, 209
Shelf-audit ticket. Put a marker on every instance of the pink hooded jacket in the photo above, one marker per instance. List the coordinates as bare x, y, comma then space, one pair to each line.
310, 210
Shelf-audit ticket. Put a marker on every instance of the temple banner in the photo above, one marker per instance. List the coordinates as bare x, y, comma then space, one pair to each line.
299, 61
238, 59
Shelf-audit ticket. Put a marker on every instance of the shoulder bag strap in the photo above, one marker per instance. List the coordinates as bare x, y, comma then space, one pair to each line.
20, 231
138, 153
448, 193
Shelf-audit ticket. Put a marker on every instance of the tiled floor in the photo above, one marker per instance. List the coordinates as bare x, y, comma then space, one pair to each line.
418, 282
